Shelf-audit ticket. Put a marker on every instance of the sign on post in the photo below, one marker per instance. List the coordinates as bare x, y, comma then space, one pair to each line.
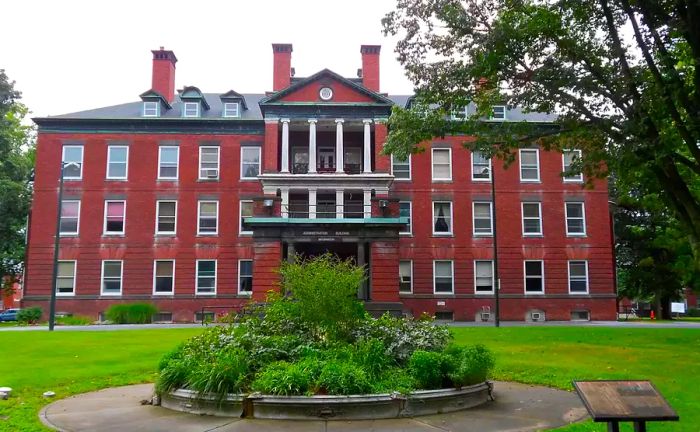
678, 307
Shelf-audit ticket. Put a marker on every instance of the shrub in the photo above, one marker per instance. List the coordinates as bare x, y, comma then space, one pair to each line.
30, 315
371, 355
131, 313
394, 379
226, 372
343, 378
283, 378
75, 320
472, 364
428, 369
693, 312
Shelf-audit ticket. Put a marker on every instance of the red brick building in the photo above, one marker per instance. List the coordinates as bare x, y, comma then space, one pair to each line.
190, 199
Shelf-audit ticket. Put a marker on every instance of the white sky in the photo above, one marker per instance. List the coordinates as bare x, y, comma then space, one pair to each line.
72, 55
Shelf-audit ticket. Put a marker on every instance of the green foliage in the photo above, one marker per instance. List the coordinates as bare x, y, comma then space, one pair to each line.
74, 320
30, 315
131, 313
428, 368
693, 312
283, 378
225, 372
343, 378
469, 364
394, 379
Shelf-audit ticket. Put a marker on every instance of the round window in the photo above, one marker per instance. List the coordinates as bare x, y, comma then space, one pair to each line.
326, 93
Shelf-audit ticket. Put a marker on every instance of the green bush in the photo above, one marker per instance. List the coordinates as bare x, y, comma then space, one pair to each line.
343, 378
283, 378
30, 315
693, 312
227, 372
394, 379
131, 313
428, 369
74, 320
472, 365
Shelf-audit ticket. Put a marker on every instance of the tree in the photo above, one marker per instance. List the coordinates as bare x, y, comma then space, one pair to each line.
630, 99
16, 162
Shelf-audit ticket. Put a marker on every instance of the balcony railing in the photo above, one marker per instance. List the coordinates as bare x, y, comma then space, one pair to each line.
303, 168
328, 211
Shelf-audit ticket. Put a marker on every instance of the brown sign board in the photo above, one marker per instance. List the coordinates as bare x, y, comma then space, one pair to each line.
636, 401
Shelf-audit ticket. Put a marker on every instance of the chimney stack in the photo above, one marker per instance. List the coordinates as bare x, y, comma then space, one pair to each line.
164, 73
370, 66
281, 66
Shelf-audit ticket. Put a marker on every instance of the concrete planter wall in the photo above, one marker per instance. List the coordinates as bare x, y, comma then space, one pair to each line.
355, 407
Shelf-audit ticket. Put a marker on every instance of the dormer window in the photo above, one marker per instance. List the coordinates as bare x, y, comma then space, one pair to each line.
232, 109
151, 109
191, 109
499, 112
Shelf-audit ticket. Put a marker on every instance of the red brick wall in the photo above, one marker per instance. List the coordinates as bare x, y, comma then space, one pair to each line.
341, 92
384, 270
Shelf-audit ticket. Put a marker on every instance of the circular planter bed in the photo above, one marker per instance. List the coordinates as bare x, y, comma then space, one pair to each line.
353, 407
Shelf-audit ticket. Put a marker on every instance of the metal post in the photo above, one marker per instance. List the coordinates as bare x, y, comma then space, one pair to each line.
497, 280
52, 303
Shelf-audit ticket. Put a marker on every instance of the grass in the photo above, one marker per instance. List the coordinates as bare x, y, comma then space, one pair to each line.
70, 362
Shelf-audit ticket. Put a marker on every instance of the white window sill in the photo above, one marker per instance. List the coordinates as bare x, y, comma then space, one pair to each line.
207, 234
484, 293
406, 234
240, 294
167, 179
579, 293
116, 179
69, 235
481, 180
446, 235
442, 180
527, 293
533, 236
213, 294
164, 294
576, 235
479, 235
165, 234
110, 294
65, 294
396, 179
245, 234
116, 235
530, 181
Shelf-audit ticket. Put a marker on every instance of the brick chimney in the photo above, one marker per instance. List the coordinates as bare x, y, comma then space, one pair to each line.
370, 66
164, 73
281, 66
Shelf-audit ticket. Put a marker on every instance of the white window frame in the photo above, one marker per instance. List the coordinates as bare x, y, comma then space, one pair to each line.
410, 265
241, 232
410, 218
443, 234
196, 278
460, 114
568, 267
493, 277
149, 107
583, 218
579, 177
121, 278
452, 277
187, 105
432, 164
63, 161
238, 289
520, 165
104, 222
218, 163
539, 218
155, 264
75, 274
232, 113
493, 110
109, 156
177, 162
199, 218
477, 179
480, 234
158, 217
259, 149
77, 227
525, 278
410, 173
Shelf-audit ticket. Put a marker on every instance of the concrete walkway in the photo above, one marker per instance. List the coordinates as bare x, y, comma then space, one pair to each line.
518, 407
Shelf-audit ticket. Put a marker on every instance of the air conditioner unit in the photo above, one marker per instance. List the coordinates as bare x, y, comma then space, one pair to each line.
405, 279
485, 316
536, 316
212, 173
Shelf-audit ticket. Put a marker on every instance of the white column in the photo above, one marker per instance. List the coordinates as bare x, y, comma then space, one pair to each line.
367, 160
312, 203
367, 203
339, 163
285, 145
285, 202
312, 146
339, 204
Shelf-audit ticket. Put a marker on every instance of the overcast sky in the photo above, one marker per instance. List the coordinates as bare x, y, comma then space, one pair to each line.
72, 55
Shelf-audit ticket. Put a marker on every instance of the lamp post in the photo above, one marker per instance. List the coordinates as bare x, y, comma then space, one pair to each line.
497, 280
52, 303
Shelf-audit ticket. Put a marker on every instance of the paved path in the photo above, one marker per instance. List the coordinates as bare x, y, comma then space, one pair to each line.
518, 407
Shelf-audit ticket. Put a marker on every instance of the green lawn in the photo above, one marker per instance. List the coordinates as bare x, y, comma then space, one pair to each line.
76, 362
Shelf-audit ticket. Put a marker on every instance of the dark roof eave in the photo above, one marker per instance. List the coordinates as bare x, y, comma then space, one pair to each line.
53, 121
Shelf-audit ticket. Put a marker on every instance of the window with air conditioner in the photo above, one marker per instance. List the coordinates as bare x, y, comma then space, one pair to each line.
209, 163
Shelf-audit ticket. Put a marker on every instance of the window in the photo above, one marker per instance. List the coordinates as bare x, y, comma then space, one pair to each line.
575, 219
70, 217
442, 277
529, 165
569, 157
231, 109
250, 162
206, 276
401, 169
534, 277
405, 212
65, 279
481, 167
499, 112
482, 219
168, 158
578, 277
442, 164
245, 276
208, 218
115, 215
164, 277
151, 109
532, 219
112, 277
246, 210
72, 162
166, 217
460, 113
191, 109
442, 218
117, 162
483, 277
406, 276
209, 163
